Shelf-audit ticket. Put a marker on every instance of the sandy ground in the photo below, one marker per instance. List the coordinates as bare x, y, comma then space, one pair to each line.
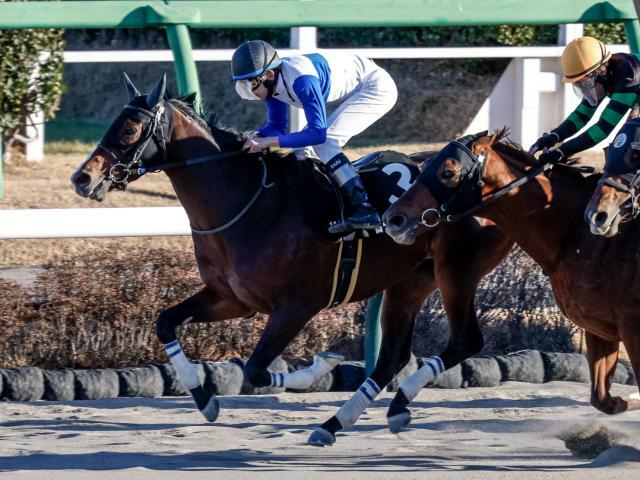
506, 432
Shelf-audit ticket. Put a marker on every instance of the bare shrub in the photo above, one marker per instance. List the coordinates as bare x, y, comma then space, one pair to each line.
100, 310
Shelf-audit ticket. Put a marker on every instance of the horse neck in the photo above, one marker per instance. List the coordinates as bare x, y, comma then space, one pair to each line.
212, 192
540, 215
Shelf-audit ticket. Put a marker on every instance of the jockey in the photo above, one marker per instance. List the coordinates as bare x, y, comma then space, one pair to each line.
595, 74
362, 90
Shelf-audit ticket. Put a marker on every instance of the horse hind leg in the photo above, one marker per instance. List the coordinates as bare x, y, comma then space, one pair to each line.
283, 325
400, 306
204, 306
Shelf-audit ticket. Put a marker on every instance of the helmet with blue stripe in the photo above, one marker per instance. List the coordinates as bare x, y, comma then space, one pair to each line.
252, 58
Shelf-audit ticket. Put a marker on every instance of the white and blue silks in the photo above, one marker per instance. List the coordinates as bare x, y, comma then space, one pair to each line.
362, 91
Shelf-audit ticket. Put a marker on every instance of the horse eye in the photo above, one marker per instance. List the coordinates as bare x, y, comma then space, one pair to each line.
448, 174
131, 131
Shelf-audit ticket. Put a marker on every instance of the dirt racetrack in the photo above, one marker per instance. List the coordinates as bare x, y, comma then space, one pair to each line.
512, 431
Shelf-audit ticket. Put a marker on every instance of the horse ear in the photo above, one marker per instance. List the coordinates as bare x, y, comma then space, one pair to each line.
155, 95
132, 91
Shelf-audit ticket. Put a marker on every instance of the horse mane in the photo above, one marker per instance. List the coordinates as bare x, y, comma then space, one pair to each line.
500, 143
228, 139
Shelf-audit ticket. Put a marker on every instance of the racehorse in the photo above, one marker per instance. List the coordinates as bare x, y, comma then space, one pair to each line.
594, 279
260, 238
615, 201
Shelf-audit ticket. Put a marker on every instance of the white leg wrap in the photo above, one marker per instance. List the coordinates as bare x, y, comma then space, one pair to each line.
349, 413
412, 385
304, 378
187, 373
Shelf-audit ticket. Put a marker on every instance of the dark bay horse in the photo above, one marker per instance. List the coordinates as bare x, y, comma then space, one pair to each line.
595, 279
261, 245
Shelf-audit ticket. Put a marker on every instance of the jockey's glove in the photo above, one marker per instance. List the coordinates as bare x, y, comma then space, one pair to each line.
547, 140
551, 156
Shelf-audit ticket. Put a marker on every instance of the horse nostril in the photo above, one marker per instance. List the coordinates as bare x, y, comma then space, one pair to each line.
81, 179
600, 218
397, 221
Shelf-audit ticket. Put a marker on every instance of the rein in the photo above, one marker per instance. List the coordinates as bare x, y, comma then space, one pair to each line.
120, 171
442, 217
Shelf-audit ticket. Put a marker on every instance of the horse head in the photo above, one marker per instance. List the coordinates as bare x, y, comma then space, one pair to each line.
136, 138
452, 183
615, 199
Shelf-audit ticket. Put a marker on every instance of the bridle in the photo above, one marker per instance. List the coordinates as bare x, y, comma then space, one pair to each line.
473, 180
632, 181
121, 171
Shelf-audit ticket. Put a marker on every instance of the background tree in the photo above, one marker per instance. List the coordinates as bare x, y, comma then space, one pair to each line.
30, 80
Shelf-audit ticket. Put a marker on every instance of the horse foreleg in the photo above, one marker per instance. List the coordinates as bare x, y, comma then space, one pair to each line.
458, 275
283, 325
202, 307
400, 306
602, 356
630, 334
465, 340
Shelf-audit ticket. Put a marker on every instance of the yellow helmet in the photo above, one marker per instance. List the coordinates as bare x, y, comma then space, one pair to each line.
581, 57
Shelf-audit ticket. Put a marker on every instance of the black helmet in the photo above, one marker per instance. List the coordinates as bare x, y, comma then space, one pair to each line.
252, 58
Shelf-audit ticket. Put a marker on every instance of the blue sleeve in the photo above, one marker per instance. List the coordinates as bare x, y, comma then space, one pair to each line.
308, 90
277, 118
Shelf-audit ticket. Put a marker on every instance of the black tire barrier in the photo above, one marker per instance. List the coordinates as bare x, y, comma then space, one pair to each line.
451, 378
523, 366
140, 382
567, 367
97, 384
348, 376
59, 385
481, 372
227, 378
172, 385
23, 384
223, 378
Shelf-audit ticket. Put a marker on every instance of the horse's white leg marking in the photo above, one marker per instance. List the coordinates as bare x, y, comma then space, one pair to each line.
302, 379
412, 385
187, 373
349, 413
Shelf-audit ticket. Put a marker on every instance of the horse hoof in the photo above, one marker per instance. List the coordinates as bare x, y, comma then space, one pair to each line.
321, 438
398, 422
211, 409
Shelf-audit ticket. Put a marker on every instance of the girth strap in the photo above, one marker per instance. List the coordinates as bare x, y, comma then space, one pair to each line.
345, 275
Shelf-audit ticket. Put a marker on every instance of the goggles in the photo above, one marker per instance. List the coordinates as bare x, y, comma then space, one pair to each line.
585, 88
245, 88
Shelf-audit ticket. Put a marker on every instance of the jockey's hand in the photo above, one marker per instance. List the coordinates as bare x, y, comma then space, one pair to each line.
547, 140
551, 156
257, 144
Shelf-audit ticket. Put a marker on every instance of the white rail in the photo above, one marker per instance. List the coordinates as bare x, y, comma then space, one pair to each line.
93, 222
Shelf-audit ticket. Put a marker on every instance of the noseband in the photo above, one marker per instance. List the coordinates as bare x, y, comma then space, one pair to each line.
633, 181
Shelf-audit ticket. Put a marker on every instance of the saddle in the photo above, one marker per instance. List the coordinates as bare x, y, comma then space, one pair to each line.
386, 176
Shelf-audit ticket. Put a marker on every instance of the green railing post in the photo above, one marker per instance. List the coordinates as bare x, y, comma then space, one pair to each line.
632, 30
372, 333
185, 66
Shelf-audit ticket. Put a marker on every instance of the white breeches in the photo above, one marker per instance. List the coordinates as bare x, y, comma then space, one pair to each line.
375, 96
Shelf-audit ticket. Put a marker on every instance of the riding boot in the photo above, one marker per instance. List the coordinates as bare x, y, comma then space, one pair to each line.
359, 214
